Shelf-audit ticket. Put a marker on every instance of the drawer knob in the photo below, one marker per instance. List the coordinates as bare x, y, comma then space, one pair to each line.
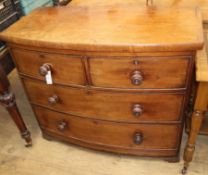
137, 110
43, 70
53, 99
62, 126
136, 77
138, 138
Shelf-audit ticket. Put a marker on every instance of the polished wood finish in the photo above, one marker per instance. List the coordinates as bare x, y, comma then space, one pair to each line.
121, 79
147, 72
111, 135
201, 76
6, 61
200, 104
200, 108
107, 105
204, 125
64, 69
122, 74
7, 98
202, 4
103, 29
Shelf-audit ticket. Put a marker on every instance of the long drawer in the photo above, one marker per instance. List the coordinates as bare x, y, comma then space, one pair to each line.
107, 105
111, 134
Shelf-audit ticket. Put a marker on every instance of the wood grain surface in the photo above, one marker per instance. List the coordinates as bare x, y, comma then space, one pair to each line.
65, 69
132, 105
50, 157
202, 4
111, 106
156, 72
112, 135
109, 28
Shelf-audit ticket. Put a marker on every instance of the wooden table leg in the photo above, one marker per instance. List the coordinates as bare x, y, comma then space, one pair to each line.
200, 108
8, 100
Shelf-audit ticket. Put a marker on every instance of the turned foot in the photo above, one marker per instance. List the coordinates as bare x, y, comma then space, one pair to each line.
188, 156
184, 170
27, 137
190, 147
200, 107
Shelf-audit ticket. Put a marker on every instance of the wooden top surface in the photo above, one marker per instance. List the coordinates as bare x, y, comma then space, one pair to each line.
109, 28
202, 4
202, 61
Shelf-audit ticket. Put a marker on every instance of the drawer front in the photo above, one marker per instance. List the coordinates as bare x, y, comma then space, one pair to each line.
113, 106
65, 69
134, 136
149, 72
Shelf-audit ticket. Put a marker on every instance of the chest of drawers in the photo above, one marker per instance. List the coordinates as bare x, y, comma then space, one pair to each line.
121, 74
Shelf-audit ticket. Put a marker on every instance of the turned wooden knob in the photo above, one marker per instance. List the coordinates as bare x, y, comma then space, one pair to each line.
137, 110
53, 99
136, 77
62, 126
138, 138
43, 70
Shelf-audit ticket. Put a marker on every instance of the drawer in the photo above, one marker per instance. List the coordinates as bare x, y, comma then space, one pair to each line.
65, 69
132, 136
113, 106
143, 72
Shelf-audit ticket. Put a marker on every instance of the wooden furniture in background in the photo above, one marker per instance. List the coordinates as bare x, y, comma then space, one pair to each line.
201, 73
7, 98
9, 13
109, 79
201, 102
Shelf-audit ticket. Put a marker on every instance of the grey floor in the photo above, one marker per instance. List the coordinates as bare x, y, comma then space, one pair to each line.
54, 158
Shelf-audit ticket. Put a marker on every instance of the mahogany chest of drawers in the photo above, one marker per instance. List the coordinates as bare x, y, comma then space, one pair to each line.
114, 78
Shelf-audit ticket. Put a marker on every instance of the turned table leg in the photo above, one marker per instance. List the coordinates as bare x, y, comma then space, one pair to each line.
7, 99
200, 107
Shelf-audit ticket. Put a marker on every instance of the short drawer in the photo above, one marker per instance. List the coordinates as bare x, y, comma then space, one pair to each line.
133, 136
65, 69
142, 72
112, 106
